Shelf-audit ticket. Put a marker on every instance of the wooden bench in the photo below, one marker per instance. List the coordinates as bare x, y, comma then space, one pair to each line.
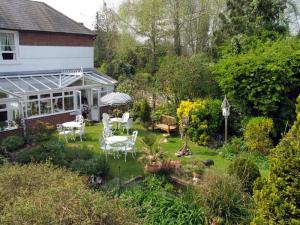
166, 123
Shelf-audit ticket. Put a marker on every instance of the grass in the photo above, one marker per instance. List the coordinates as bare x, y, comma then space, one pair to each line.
133, 167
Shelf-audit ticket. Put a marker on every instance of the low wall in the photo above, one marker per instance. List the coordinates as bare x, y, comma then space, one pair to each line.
51, 119
5, 134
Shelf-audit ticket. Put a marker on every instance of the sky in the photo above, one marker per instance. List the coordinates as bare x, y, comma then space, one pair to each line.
82, 11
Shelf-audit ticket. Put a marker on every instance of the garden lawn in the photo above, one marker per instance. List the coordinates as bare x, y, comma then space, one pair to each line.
134, 168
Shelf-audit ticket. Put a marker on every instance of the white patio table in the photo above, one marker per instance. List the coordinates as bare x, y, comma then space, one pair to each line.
72, 125
116, 120
116, 139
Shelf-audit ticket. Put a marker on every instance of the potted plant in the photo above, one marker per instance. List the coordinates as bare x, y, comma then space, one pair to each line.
153, 156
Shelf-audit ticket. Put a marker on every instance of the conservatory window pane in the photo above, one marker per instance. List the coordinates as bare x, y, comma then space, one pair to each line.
69, 103
57, 105
3, 106
33, 108
45, 96
24, 86
35, 83
5, 85
3, 120
57, 94
47, 82
45, 106
32, 97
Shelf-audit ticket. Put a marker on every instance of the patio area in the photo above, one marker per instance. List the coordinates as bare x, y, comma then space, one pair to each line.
133, 167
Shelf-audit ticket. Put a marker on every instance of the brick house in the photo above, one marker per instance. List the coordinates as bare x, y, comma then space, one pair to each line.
46, 68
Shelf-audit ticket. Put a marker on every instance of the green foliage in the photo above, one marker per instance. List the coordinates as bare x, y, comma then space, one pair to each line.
156, 205
263, 81
13, 143
83, 153
40, 132
52, 151
163, 109
183, 78
257, 134
223, 197
83, 160
246, 171
97, 166
277, 196
126, 86
234, 148
205, 121
195, 166
142, 110
42, 194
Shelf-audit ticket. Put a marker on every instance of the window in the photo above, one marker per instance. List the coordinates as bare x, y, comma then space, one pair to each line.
47, 104
8, 46
9, 112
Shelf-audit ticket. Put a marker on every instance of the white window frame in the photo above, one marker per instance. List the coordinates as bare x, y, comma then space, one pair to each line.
10, 115
16, 40
51, 100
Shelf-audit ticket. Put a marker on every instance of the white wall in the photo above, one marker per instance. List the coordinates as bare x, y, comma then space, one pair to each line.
32, 58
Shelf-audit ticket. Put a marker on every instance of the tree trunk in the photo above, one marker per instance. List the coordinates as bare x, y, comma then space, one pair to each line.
177, 39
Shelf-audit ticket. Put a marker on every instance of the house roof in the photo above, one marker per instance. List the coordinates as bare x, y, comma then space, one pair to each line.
37, 16
22, 83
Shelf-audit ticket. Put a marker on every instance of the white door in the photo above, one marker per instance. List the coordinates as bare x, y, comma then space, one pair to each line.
95, 110
78, 102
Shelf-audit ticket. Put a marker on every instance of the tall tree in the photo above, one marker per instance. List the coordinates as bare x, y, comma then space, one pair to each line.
146, 19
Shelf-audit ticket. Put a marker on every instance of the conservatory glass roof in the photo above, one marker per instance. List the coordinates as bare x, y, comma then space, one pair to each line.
20, 84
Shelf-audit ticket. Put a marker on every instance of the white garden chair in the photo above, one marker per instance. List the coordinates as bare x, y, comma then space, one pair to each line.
79, 118
63, 132
80, 132
105, 116
106, 124
125, 117
129, 146
128, 125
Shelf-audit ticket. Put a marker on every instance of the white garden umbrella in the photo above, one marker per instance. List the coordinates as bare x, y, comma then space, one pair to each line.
116, 98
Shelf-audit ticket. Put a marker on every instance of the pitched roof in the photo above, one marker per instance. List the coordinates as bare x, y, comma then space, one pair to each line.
37, 16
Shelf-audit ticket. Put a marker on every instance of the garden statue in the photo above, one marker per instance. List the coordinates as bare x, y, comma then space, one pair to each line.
184, 150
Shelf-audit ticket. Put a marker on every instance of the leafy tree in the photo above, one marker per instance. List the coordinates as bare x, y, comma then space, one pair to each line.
184, 78
146, 18
264, 81
277, 196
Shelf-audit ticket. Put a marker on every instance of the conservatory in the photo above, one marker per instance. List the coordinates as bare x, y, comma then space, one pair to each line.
28, 96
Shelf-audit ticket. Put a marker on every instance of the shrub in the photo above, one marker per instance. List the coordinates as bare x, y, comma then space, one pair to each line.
234, 148
3, 160
186, 78
205, 118
257, 134
40, 132
264, 81
156, 205
164, 109
43, 194
223, 197
52, 151
141, 110
246, 171
13, 143
83, 153
96, 166
277, 196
